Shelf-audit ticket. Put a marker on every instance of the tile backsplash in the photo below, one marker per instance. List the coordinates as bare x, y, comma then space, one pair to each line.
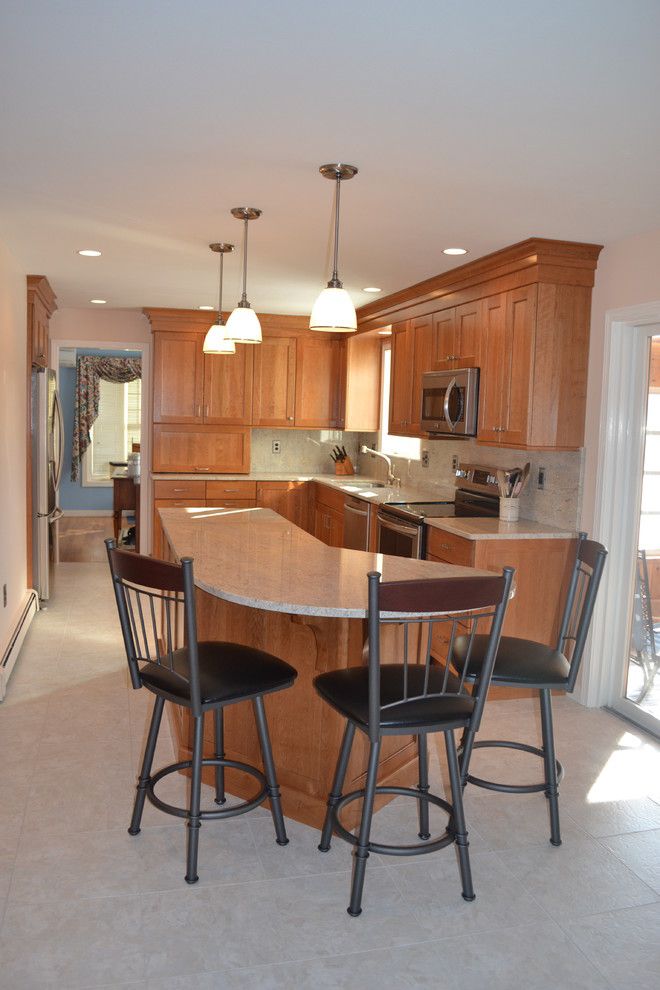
556, 505
300, 451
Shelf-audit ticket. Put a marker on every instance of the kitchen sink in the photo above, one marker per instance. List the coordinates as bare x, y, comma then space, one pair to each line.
356, 486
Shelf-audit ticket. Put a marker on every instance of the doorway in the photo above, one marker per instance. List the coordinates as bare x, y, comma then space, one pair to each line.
118, 433
624, 519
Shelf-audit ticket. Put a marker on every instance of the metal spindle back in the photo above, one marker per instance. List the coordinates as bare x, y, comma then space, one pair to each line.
156, 605
580, 600
463, 606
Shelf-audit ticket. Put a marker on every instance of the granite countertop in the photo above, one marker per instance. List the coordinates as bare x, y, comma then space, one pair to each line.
471, 528
254, 557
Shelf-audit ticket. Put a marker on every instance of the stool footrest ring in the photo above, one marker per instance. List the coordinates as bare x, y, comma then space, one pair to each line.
236, 809
417, 849
493, 785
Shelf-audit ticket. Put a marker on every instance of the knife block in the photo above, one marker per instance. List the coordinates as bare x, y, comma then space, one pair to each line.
344, 467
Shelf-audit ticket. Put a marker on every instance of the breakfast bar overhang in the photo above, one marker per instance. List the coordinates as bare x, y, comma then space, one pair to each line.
263, 582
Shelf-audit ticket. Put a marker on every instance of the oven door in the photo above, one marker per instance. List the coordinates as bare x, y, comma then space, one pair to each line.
397, 537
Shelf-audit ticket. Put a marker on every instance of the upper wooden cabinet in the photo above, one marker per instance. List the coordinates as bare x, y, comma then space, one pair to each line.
228, 387
178, 378
320, 377
521, 315
274, 399
40, 307
423, 351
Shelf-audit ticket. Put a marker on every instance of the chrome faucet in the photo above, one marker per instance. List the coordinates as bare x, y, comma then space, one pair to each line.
391, 477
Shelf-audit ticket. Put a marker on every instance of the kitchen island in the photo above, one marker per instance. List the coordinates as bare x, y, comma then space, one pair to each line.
263, 582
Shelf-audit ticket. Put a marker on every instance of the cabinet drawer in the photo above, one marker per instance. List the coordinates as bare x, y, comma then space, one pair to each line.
231, 489
179, 503
332, 497
231, 503
179, 489
449, 548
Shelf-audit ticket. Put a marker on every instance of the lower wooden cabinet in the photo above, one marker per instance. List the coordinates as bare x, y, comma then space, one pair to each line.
191, 448
328, 525
289, 499
158, 541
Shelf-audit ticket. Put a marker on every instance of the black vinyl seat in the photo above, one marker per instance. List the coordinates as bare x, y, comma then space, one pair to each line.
156, 604
413, 697
227, 672
523, 663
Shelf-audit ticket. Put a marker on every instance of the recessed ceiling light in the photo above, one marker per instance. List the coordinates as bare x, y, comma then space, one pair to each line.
99, 302
90, 253
206, 307
372, 288
455, 251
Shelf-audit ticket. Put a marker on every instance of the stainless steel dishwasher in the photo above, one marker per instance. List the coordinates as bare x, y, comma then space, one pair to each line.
357, 514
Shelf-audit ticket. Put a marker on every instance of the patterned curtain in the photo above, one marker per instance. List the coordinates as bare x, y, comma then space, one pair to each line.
90, 371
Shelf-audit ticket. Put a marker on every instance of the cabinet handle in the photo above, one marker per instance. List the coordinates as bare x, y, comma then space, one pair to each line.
202, 469
199, 412
445, 546
206, 412
290, 418
178, 490
230, 491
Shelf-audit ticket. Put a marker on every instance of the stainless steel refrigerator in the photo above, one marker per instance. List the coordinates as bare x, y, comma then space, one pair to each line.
47, 464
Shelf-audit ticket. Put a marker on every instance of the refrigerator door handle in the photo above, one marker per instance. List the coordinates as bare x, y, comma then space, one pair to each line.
60, 453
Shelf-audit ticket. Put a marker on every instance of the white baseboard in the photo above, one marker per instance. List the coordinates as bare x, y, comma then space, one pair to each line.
86, 512
10, 656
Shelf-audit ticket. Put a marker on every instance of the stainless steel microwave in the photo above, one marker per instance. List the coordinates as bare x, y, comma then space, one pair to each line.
450, 401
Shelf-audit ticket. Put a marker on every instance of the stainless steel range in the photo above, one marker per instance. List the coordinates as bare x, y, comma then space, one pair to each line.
401, 529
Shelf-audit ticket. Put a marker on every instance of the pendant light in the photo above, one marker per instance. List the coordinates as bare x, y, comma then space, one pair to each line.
333, 310
216, 341
243, 325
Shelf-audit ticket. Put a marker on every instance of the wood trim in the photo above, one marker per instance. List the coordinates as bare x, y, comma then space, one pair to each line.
533, 260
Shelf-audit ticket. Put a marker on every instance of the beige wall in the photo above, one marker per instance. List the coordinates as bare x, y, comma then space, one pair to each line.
13, 424
100, 325
628, 274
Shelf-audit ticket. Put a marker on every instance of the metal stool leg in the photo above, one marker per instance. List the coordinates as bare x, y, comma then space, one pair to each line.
361, 851
337, 785
550, 760
458, 818
218, 719
269, 770
423, 786
194, 822
147, 762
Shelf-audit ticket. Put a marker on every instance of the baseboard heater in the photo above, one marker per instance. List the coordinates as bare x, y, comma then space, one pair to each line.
29, 610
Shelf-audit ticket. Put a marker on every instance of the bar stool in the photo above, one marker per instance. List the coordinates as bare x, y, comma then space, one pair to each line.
523, 663
156, 604
412, 698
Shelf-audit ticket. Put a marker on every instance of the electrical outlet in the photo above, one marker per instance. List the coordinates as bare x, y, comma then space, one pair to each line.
277, 447
425, 458
540, 483
454, 462
4, 596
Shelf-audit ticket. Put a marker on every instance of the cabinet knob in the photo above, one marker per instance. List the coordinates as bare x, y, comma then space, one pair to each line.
290, 418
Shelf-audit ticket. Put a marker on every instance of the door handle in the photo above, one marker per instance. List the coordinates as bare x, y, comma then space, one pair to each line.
450, 422
60, 454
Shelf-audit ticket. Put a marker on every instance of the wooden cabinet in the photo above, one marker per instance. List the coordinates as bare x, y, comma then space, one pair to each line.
289, 499
40, 307
506, 375
320, 382
274, 400
468, 326
423, 353
446, 345
181, 447
401, 370
193, 387
329, 515
157, 541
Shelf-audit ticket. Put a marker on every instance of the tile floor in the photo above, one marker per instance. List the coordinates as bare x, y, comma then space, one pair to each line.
82, 904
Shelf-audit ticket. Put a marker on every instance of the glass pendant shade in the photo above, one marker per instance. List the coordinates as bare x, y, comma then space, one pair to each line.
333, 312
243, 326
216, 341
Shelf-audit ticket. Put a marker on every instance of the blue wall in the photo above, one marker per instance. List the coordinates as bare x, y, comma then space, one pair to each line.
73, 494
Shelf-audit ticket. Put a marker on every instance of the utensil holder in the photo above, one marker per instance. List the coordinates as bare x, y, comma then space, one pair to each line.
509, 509
344, 467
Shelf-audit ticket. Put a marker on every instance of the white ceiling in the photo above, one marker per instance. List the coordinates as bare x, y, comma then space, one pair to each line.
134, 126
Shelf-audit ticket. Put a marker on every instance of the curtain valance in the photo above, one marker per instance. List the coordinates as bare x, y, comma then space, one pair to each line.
90, 370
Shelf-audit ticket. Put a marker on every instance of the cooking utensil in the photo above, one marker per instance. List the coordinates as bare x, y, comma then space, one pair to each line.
501, 483
522, 481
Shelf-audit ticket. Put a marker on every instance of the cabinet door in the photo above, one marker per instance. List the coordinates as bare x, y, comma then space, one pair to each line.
328, 526
495, 366
221, 449
273, 403
446, 349
320, 374
520, 327
39, 332
228, 387
288, 498
400, 379
424, 350
178, 378
469, 325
